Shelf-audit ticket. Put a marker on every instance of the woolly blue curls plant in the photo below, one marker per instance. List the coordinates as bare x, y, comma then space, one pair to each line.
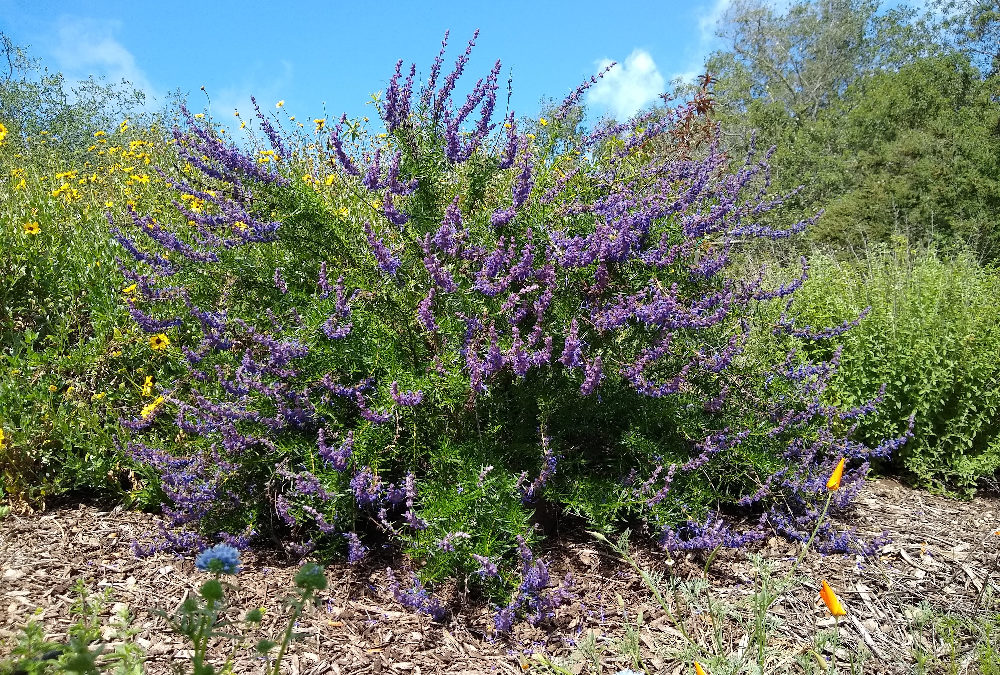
438, 333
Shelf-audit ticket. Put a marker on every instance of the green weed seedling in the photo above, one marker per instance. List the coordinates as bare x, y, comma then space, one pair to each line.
84, 652
201, 618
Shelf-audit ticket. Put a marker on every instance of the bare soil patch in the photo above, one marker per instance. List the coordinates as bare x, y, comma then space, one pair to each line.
943, 554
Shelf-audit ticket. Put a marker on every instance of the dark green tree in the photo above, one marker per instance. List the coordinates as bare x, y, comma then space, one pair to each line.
879, 119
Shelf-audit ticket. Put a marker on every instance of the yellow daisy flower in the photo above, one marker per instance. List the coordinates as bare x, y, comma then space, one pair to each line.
159, 342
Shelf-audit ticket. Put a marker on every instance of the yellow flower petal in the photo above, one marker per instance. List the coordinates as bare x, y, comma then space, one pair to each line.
838, 473
831, 601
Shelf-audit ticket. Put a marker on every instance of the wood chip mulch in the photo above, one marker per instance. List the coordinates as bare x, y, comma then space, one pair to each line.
942, 555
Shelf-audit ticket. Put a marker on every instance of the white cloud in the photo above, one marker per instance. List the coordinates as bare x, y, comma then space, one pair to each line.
266, 86
88, 47
628, 87
708, 21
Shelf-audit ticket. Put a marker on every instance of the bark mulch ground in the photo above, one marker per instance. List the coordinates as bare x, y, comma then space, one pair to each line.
942, 556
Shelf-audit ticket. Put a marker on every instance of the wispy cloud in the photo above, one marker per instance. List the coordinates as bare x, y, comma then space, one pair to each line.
88, 47
629, 86
267, 87
708, 18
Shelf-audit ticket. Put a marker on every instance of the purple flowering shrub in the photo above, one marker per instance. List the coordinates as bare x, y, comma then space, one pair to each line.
437, 334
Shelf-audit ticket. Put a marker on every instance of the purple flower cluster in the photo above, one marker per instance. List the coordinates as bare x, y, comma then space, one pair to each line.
337, 325
387, 261
534, 598
356, 551
337, 457
416, 597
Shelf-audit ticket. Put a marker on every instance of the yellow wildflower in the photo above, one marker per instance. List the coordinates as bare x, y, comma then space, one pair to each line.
159, 342
98, 134
128, 290
3, 132
698, 670
147, 386
320, 123
32, 228
280, 104
2, 438
199, 116
123, 126
151, 407
53, 388
544, 122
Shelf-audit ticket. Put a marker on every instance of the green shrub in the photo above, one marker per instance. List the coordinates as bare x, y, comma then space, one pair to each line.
932, 336
446, 333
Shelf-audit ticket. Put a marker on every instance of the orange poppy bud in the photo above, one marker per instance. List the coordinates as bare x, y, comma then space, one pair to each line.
835, 477
698, 670
831, 601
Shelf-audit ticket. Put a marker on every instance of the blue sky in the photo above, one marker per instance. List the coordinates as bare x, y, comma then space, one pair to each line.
338, 54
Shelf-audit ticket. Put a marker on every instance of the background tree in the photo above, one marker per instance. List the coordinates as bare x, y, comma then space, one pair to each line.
34, 99
883, 119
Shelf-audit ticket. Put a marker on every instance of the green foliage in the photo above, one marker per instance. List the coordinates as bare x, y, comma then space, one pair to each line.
912, 151
974, 27
785, 67
932, 336
35, 100
878, 116
33, 655
70, 357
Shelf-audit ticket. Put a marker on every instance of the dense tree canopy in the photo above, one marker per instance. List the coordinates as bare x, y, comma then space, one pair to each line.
882, 117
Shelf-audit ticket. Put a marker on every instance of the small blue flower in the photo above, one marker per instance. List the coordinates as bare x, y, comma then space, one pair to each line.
220, 559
